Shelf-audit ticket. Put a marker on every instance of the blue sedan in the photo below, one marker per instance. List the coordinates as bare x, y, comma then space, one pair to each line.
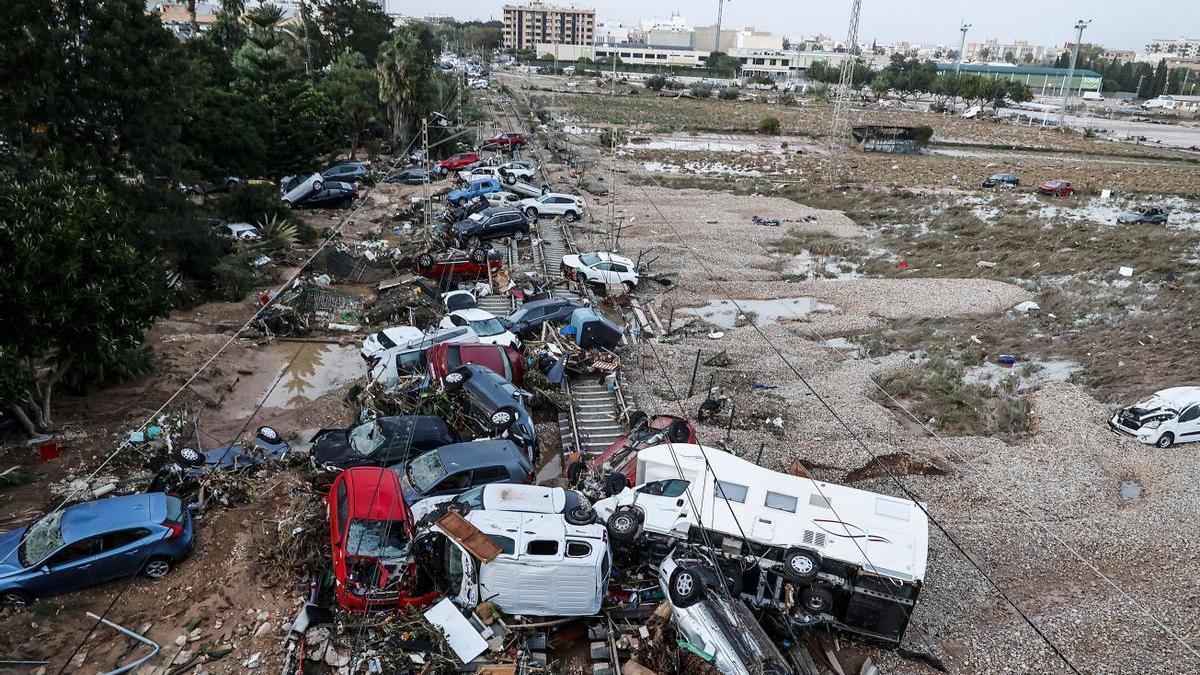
93, 542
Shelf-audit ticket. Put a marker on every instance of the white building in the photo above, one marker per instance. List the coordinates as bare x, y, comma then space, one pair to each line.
1186, 48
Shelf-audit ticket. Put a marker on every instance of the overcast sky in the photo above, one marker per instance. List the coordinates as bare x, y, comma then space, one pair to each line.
1116, 23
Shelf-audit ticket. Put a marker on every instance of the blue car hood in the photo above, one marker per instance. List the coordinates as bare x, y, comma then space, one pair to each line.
9, 562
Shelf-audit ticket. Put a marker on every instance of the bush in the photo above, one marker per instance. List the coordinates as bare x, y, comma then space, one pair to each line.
701, 90
769, 126
759, 79
610, 138
656, 82
728, 94
673, 85
251, 204
923, 133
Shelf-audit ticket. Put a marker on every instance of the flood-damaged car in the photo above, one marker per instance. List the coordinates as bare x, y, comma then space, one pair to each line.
382, 441
1150, 214
371, 532
453, 469
817, 553
1168, 417
615, 469
510, 497
493, 406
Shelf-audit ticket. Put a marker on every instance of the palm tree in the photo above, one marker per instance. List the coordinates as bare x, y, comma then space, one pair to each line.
403, 70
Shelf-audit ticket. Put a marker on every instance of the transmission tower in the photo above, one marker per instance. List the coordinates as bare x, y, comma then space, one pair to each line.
838, 127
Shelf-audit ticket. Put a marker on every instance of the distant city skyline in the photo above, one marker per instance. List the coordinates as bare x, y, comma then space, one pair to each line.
1115, 23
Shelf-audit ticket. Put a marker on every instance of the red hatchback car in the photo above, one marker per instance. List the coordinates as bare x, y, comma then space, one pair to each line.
460, 161
372, 530
510, 140
456, 264
617, 465
1057, 188
502, 360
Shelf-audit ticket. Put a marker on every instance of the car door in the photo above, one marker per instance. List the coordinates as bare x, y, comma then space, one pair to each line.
123, 554
71, 567
601, 273
451, 484
620, 273
1187, 426
664, 503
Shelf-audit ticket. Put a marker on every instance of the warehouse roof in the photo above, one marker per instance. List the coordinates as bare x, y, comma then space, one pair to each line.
1016, 70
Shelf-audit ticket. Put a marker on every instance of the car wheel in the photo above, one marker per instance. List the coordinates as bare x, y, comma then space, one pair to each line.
531, 213
454, 379
1166, 440
678, 432
425, 261
816, 599
571, 216
157, 568
582, 514
479, 256
16, 598
503, 418
510, 179
624, 525
629, 286
801, 565
575, 471
188, 457
615, 483
287, 203
685, 587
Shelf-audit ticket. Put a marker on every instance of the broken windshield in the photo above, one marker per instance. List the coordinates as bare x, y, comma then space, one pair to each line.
487, 327
425, 471
381, 539
43, 538
366, 438
589, 259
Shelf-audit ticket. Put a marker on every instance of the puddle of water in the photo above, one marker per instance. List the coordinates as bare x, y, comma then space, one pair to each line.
805, 264
318, 370
724, 314
1043, 370
1131, 491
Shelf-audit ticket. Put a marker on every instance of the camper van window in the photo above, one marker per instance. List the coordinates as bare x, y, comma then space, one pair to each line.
578, 549
506, 544
542, 547
781, 502
819, 500
731, 491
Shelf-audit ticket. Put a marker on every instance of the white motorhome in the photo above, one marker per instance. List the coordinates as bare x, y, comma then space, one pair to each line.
855, 559
545, 566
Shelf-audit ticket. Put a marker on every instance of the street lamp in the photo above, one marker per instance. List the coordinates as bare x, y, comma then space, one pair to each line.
962, 43
1066, 87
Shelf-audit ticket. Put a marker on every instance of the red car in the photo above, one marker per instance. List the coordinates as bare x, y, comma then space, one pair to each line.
510, 140
1057, 188
616, 467
372, 531
456, 264
502, 360
460, 161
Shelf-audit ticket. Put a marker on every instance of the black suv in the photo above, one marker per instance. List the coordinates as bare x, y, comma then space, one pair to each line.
452, 469
488, 224
526, 322
380, 442
494, 406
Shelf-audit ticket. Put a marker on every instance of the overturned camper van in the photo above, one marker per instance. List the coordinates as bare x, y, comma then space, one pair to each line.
818, 553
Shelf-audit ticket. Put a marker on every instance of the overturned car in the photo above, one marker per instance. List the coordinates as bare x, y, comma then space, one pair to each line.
815, 553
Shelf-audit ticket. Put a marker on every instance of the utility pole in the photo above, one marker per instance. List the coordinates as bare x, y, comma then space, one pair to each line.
717, 39
1138, 93
1066, 87
841, 101
425, 162
962, 44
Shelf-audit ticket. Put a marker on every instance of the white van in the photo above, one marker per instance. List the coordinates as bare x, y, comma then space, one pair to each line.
856, 561
546, 566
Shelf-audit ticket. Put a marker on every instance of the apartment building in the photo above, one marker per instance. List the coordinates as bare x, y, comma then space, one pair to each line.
1184, 48
540, 23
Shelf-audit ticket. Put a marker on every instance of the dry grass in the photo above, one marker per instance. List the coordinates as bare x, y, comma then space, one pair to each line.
937, 393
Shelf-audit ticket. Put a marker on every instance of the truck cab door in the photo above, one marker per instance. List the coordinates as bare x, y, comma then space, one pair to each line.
664, 504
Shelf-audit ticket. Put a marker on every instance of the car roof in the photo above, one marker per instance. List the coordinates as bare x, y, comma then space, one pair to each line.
561, 194
497, 210
374, 494
524, 498
1178, 396
545, 302
485, 452
473, 314
610, 257
114, 513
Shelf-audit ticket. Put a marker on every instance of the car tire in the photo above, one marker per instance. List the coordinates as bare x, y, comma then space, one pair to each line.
425, 262
629, 286
816, 599
615, 483
801, 565
287, 203
531, 213
503, 418
624, 525
479, 256
455, 379
582, 514
575, 471
509, 179
16, 598
1166, 440
571, 216
637, 418
188, 458
686, 586
678, 432
157, 568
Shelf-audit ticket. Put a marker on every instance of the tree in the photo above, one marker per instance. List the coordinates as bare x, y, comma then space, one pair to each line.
720, 62
353, 86
72, 287
656, 82
404, 67
1158, 85
347, 26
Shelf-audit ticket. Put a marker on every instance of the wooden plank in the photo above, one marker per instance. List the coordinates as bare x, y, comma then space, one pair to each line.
469, 537
632, 667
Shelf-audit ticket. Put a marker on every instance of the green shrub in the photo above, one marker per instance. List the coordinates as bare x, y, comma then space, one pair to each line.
610, 138
701, 90
769, 125
673, 85
728, 94
251, 204
656, 82
923, 134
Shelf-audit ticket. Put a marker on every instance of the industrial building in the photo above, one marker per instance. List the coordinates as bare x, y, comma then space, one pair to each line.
1041, 81
537, 23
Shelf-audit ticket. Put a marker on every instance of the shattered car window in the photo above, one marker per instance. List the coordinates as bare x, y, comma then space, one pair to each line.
366, 438
589, 259
425, 471
381, 539
43, 538
487, 327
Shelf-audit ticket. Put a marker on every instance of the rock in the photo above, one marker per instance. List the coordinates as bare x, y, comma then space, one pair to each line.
1027, 306
263, 616
263, 630
335, 659
181, 640
252, 662
902, 464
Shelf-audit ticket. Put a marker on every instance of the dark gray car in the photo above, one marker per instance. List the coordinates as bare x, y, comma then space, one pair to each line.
526, 322
453, 469
493, 405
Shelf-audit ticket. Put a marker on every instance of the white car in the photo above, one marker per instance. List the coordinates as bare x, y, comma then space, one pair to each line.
553, 204
456, 300
517, 170
514, 497
407, 358
484, 324
242, 231
601, 268
503, 198
1168, 417
388, 338
294, 188
479, 84
480, 173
